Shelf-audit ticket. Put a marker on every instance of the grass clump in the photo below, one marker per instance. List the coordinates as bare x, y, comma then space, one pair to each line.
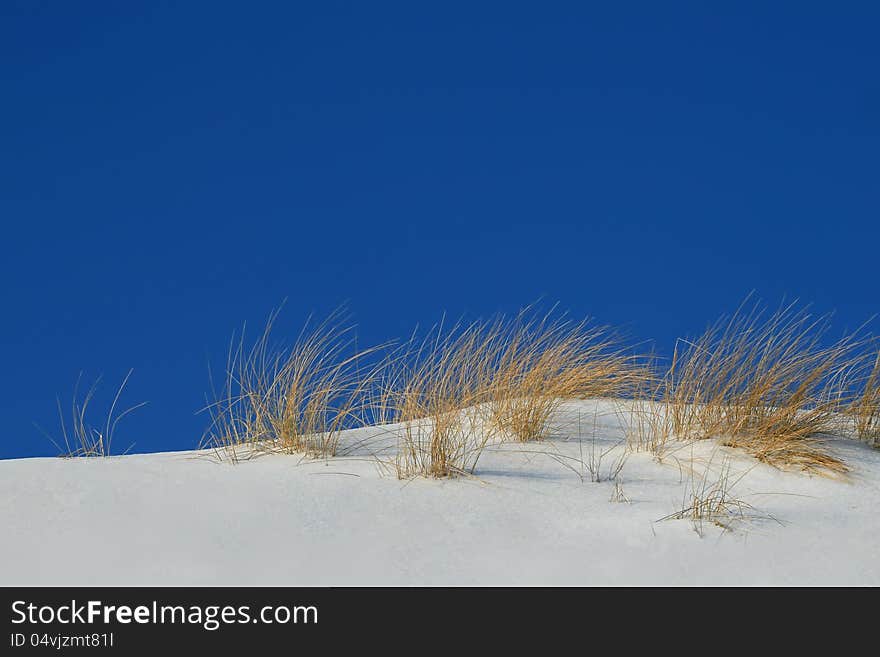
433, 389
769, 385
501, 379
294, 400
537, 363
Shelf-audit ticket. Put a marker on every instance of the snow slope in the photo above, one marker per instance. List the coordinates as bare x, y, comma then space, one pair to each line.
184, 518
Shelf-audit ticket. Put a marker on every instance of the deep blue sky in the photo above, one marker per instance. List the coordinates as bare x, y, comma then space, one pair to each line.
169, 170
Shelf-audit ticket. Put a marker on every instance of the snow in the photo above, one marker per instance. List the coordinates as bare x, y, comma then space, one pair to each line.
525, 518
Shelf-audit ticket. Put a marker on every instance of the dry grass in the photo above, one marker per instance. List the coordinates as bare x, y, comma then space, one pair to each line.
768, 385
80, 438
294, 400
433, 388
598, 464
646, 421
538, 362
457, 390
709, 498
866, 407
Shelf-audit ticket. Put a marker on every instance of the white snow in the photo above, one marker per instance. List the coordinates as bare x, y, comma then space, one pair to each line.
525, 518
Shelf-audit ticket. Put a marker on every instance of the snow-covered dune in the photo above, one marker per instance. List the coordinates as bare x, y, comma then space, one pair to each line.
531, 515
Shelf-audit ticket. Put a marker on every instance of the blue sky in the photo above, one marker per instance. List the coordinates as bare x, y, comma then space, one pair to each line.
171, 170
